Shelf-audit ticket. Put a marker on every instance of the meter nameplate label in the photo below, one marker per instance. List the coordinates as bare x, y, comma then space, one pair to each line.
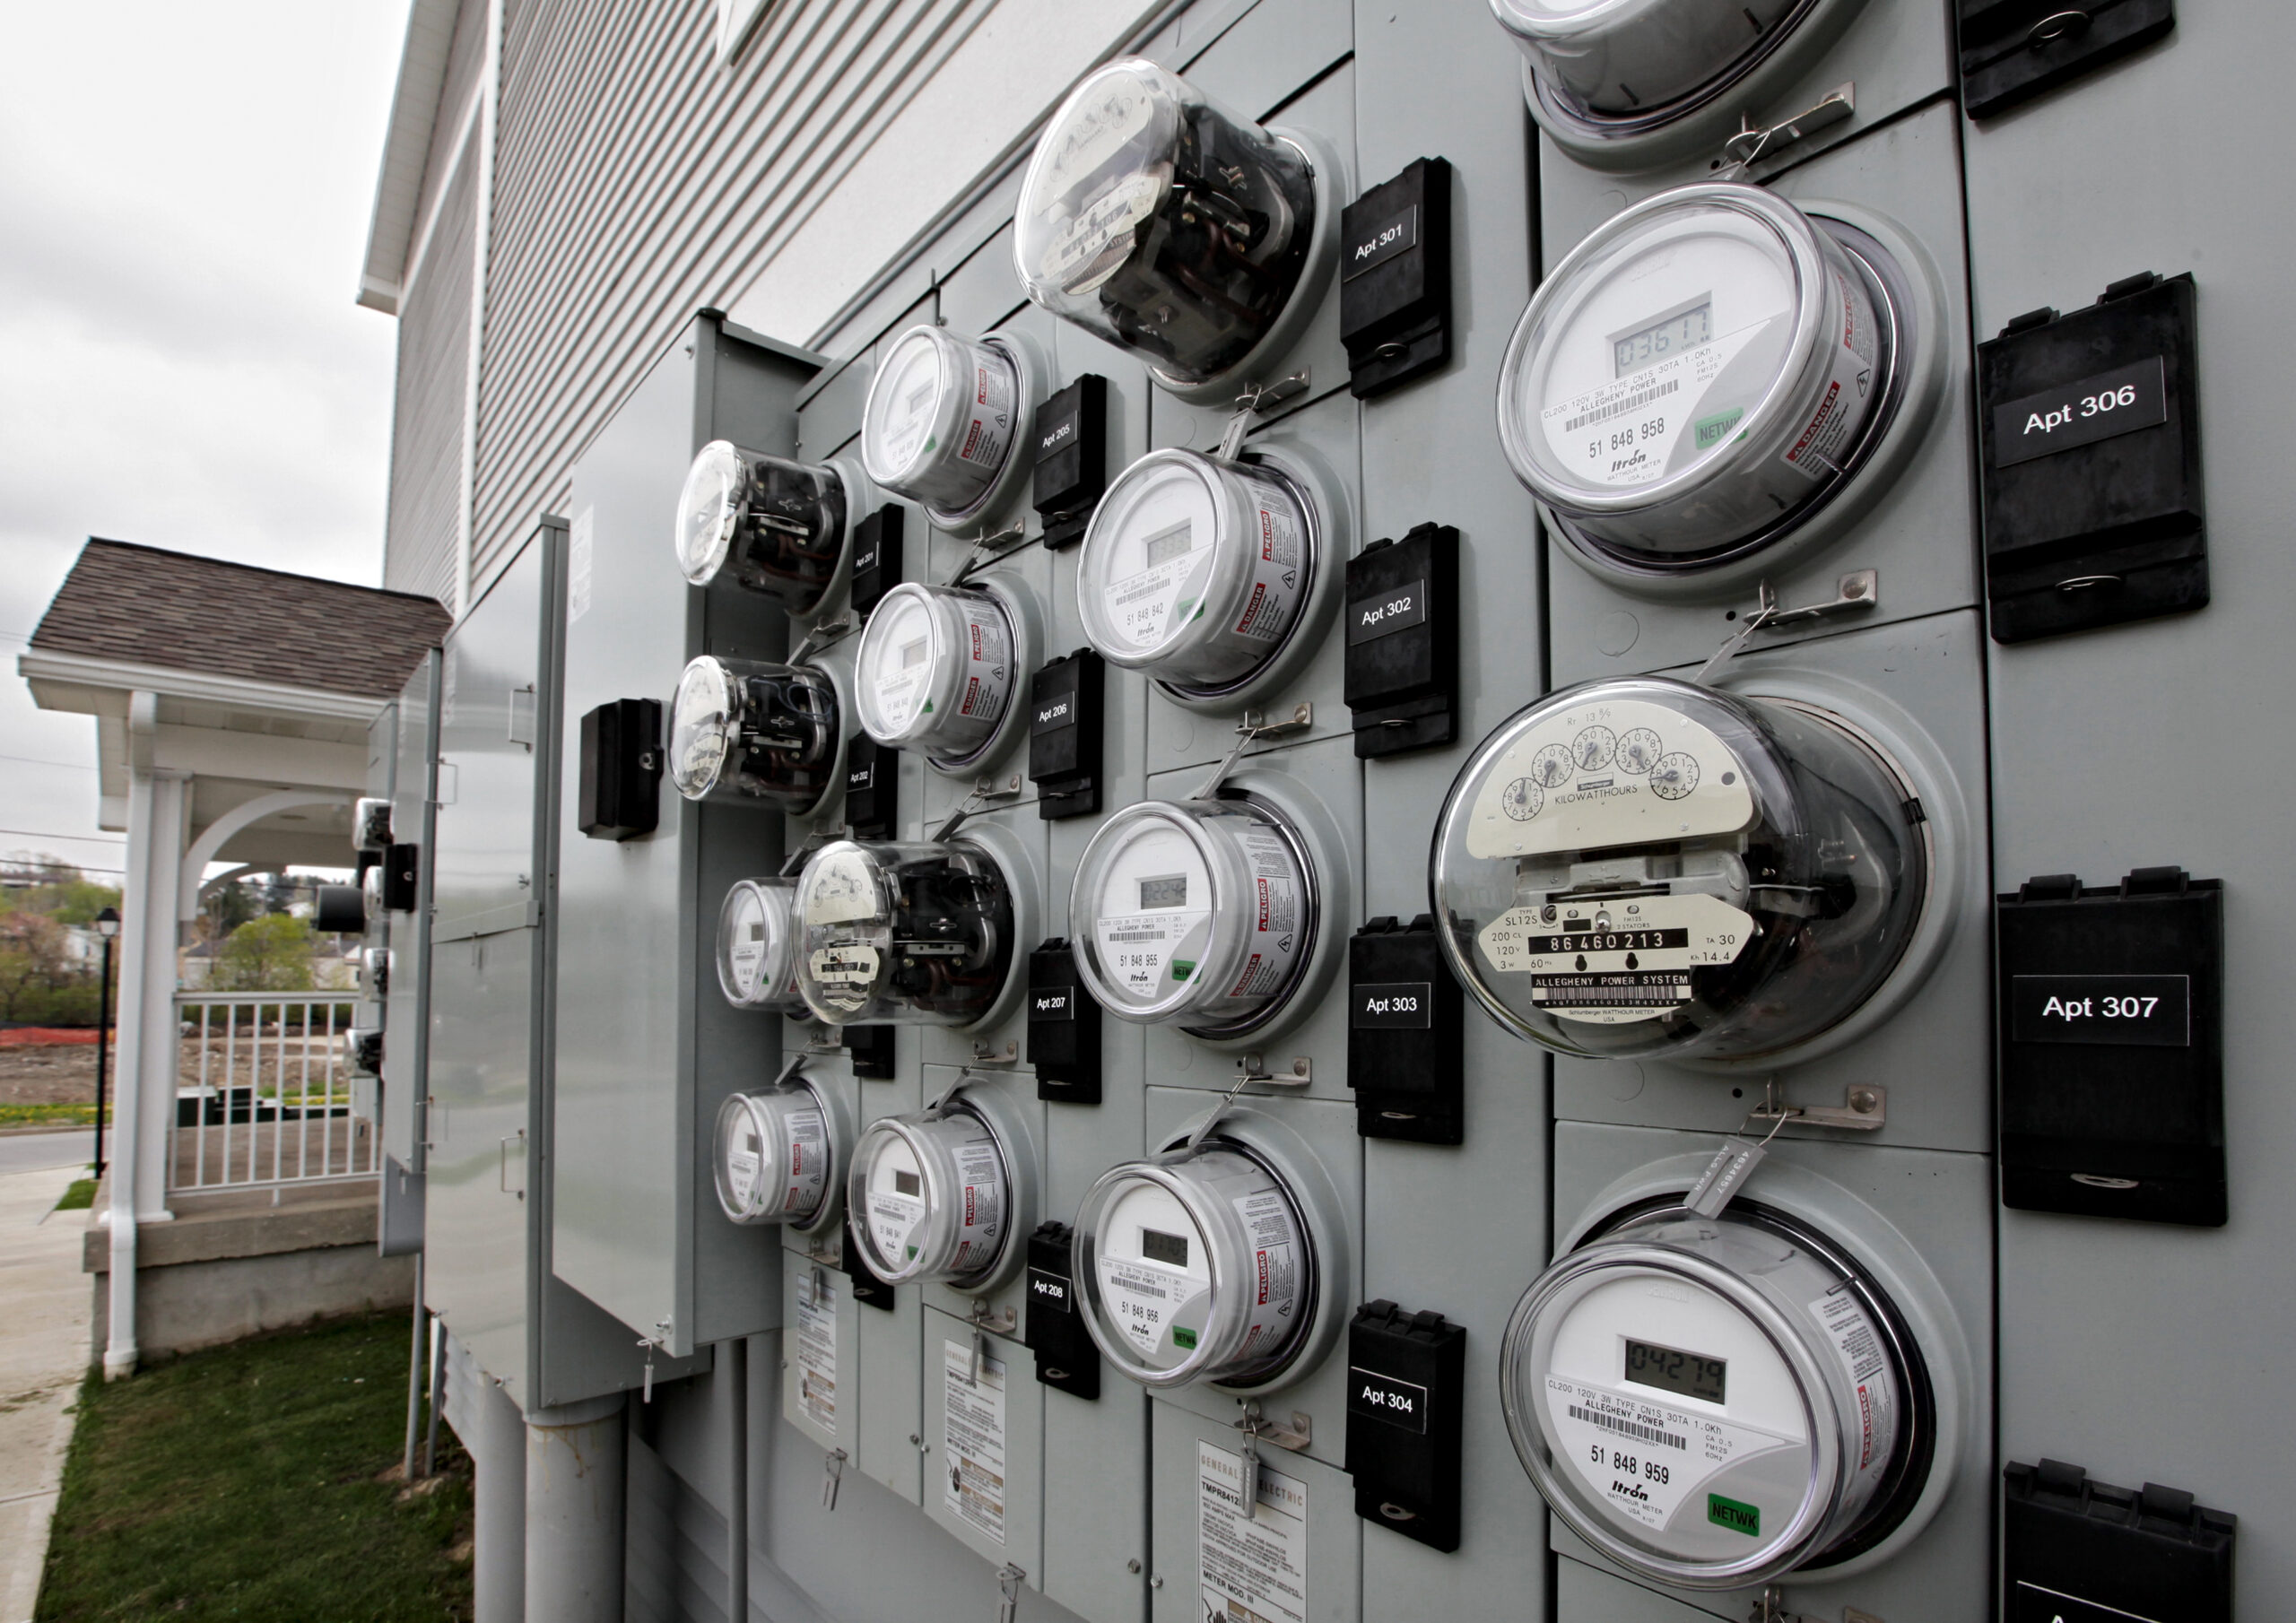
1637, 968
1383, 1398
1150, 605
741, 1166
980, 1219
1144, 952
1649, 1461
893, 1219
817, 1352
1148, 1302
1097, 243
987, 661
1854, 1336
1617, 772
1255, 1556
2138, 1010
1275, 541
1659, 418
1392, 1006
972, 1441
804, 1179
1396, 234
1273, 1280
1397, 609
853, 964
2118, 402
1822, 446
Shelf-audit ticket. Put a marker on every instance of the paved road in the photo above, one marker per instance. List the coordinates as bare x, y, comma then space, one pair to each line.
34, 1151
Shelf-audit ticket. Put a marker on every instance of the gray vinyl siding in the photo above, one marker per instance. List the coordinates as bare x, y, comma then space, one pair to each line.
425, 517
636, 179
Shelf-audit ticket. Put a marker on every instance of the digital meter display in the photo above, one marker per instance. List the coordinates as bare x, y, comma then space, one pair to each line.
1169, 1249
1675, 334
905, 1183
1169, 892
1174, 543
1672, 1370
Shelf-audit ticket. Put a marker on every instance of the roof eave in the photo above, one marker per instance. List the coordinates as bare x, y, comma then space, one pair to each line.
407, 149
83, 683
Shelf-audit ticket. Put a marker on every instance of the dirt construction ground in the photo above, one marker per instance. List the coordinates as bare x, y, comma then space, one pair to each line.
61, 1075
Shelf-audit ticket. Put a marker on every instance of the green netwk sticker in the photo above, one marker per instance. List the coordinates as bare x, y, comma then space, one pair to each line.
1182, 1336
1182, 967
1709, 431
1738, 1518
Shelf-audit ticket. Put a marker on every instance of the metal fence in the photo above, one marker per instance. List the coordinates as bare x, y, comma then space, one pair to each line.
264, 1093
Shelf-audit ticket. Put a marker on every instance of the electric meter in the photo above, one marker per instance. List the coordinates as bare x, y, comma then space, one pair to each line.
932, 1196
1631, 65
776, 1155
371, 890
1713, 1401
1641, 868
1196, 570
757, 948
1202, 913
934, 673
903, 935
778, 525
370, 823
1695, 376
1195, 1268
743, 732
942, 419
1158, 222
375, 972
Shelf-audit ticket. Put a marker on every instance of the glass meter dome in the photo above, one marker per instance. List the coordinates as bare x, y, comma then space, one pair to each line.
1700, 370
918, 933
743, 732
1644, 869
1200, 1268
1159, 221
1713, 1402
778, 525
942, 418
1634, 64
932, 1196
1196, 913
934, 673
757, 948
776, 1155
1196, 570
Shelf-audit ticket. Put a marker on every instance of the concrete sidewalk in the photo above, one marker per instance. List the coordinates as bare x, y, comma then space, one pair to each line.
43, 1353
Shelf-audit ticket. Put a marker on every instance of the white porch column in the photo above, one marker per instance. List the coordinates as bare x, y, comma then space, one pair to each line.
157, 805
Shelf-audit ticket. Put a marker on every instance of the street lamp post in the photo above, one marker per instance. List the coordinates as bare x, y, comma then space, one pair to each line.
106, 926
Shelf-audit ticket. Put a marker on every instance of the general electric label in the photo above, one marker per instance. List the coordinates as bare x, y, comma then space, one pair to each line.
1254, 1557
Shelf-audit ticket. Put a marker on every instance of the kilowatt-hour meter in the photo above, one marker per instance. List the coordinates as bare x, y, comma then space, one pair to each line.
942, 419
1197, 913
1713, 1401
1640, 868
932, 1195
1696, 377
779, 527
935, 670
757, 946
1615, 68
1196, 1267
776, 1155
918, 933
746, 732
1159, 221
1196, 570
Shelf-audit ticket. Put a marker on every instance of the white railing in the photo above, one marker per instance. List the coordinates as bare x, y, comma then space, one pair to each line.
264, 1092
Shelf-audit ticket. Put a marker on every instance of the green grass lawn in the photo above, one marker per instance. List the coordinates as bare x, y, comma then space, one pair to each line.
79, 1197
256, 1482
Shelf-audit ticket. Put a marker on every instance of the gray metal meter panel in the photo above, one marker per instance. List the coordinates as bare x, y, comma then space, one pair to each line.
1916, 1225
984, 1443
891, 1429
1902, 509
1297, 1552
646, 1048
488, 872
1924, 1035
1600, 1597
406, 1010
2170, 1321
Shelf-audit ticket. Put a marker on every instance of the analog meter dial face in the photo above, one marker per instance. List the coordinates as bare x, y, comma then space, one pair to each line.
774, 1156
1162, 223
931, 1197
1194, 570
706, 508
1702, 364
1198, 1269
1200, 913
1712, 1402
1646, 867
892, 934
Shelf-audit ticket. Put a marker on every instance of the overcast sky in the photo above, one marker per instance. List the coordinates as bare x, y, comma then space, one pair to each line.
185, 192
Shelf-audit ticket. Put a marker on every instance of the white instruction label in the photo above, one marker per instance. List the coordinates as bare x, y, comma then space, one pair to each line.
972, 1440
1254, 1565
817, 1350
1615, 772
1644, 1457
1613, 962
